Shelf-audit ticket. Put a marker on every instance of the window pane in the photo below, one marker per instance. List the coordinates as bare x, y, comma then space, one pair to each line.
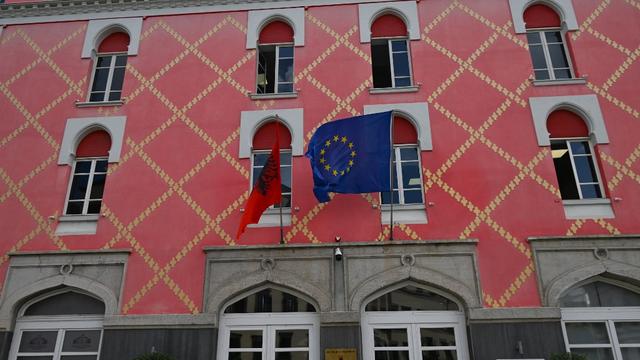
286, 51
81, 341
564, 170
285, 158
38, 341
286, 202
266, 69
533, 38
386, 198
587, 333
94, 207
292, 355
411, 175
83, 167
121, 60
100, 80
245, 339
270, 300
285, 70
285, 88
537, 57
439, 355
101, 166
628, 332
399, 45
292, 338
411, 298
594, 354
404, 81
408, 153
580, 147
118, 78
390, 337
591, 191
630, 353
103, 61
260, 159
35, 357
541, 74
558, 57
97, 96
74, 207
553, 36
285, 176
380, 63
391, 355
562, 74
585, 169
401, 64
245, 356
437, 337
79, 187
79, 357
98, 186
413, 197
115, 95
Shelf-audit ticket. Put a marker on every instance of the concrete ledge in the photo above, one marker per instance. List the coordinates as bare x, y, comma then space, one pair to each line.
160, 321
340, 318
515, 314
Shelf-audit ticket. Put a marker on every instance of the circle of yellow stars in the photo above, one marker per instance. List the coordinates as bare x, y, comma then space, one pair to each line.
352, 154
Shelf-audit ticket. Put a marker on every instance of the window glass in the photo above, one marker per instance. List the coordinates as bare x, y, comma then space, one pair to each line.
108, 77
575, 169
275, 69
87, 187
390, 337
259, 160
381, 63
437, 337
292, 338
628, 332
81, 341
411, 298
245, 339
598, 294
38, 341
407, 181
587, 333
548, 55
270, 300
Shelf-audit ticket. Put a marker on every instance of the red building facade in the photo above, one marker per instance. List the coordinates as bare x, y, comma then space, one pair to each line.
131, 133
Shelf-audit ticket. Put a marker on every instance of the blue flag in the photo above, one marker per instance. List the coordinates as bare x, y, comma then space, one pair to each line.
351, 156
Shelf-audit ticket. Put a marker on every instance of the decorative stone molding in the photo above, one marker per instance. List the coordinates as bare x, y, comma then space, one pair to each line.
564, 262
251, 121
100, 273
586, 106
259, 18
76, 129
416, 113
405, 10
98, 30
564, 8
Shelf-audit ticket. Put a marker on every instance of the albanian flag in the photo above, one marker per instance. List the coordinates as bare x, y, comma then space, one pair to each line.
267, 189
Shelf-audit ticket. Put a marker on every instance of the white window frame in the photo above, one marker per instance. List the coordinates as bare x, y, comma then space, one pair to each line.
112, 66
253, 181
92, 172
277, 68
568, 142
61, 323
413, 321
547, 56
269, 323
398, 167
607, 315
392, 70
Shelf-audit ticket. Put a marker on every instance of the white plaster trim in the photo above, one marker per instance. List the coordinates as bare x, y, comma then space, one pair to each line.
77, 225
1, 28
405, 10
76, 129
404, 214
98, 30
271, 218
259, 18
588, 209
564, 8
586, 106
416, 113
250, 122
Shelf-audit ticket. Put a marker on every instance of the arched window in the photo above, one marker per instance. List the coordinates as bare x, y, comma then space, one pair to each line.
601, 320
89, 174
413, 323
547, 44
390, 55
109, 68
269, 324
275, 59
407, 176
64, 324
263, 141
573, 157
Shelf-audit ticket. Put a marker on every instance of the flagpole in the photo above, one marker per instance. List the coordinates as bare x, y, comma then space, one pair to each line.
391, 178
280, 205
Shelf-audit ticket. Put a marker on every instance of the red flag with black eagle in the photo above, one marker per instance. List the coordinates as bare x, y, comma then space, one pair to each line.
267, 189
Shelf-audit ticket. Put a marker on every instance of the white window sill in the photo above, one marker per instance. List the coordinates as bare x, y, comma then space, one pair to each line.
291, 95
77, 225
404, 89
83, 104
574, 81
404, 214
271, 218
588, 209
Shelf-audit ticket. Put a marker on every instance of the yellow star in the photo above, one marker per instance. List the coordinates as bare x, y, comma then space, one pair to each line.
327, 167
335, 172
327, 143
344, 139
350, 162
348, 169
342, 172
322, 160
322, 152
335, 138
350, 145
353, 154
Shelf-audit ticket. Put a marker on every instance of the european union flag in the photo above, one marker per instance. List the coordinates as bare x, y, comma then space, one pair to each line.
351, 156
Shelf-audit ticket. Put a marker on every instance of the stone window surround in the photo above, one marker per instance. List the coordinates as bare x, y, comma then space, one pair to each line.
257, 19
405, 10
98, 30
77, 128
564, 8
251, 121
